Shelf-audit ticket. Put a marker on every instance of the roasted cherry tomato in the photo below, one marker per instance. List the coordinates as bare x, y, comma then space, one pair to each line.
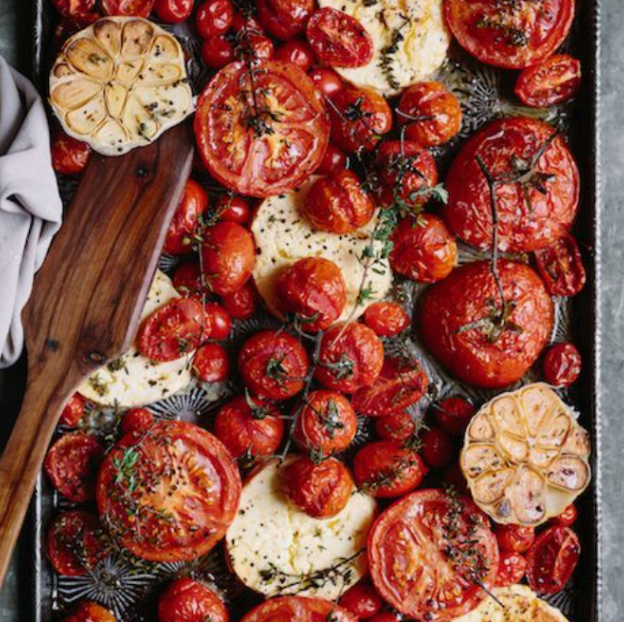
334, 161
453, 415
512, 35
515, 538
338, 39
298, 608
326, 80
362, 600
454, 478
511, 569
351, 357
74, 8
433, 586
246, 21
220, 321
69, 155
277, 148
562, 364
233, 209
423, 249
359, 118
326, 423
211, 363
314, 291
297, 52
183, 485
72, 464
551, 82
73, 410
258, 47
552, 559
431, 112
386, 318
320, 489
243, 303
187, 279
397, 427
217, 52
186, 600
273, 365
385, 616
437, 448
401, 383
535, 179
133, 8
464, 324
229, 256
284, 19
386, 469
247, 426
338, 204
173, 11
567, 518
90, 612
137, 420
185, 223
214, 17
561, 267
75, 543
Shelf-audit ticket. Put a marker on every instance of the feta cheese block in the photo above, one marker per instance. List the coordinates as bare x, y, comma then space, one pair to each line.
410, 41
276, 549
283, 236
132, 379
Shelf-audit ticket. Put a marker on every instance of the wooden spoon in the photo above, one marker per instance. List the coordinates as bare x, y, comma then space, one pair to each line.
87, 299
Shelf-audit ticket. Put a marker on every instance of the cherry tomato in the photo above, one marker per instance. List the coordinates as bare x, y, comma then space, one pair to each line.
233, 209
297, 52
246, 21
567, 518
562, 364
351, 356
338, 39
229, 256
362, 600
454, 478
173, 11
359, 118
437, 448
187, 279
69, 155
551, 82
431, 112
453, 415
214, 18
220, 321
173, 330
334, 161
423, 249
552, 559
186, 600
273, 365
284, 19
297, 608
137, 420
384, 616
512, 35
90, 612
314, 291
515, 538
217, 52
464, 331
511, 569
73, 410
386, 318
132, 8
397, 427
74, 9
249, 427
561, 267
337, 204
243, 303
326, 423
75, 543
185, 223
320, 489
72, 463
211, 363
258, 48
386, 469
326, 80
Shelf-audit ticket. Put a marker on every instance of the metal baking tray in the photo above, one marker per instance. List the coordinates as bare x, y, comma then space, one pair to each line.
129, 588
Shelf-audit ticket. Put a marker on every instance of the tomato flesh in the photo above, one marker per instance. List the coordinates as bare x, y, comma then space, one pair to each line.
185, 222
561, 267
551, 82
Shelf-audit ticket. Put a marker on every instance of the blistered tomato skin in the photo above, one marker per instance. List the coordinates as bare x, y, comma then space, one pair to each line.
186, 600
561, 267
211, 363
69, 155
214, 17
362, 600
562, 364
553, 81
387, 319
192, 206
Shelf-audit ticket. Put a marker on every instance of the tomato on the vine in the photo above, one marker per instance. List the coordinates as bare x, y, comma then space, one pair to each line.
334, 161
397, 427
233, 209
187, 279
211, 363
386, 318
185, 223
284, 19
243, 303
220, 321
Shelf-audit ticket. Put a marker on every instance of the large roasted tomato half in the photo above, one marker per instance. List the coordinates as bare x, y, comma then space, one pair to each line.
170, 493
536, 185
299, 608
482, 341
261, 131
429, 553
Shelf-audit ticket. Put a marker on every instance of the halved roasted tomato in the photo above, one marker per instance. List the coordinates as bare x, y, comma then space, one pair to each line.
299, 608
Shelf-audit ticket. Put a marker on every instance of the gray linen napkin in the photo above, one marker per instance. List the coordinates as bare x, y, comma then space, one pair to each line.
30, 206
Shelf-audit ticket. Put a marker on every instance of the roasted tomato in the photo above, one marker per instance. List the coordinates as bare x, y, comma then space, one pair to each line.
385, 616
410, 564
298, 608
186, 600
214, 18
258, 48
185, 223
243, 303
219, 319
137, 420
249, 427
387, 469
312, 290
133, 8
552, 559
233, 209
562, 365
359, 118
90, 612
437, 448
397, 427
512, 35
74, 410
173, 11
515, 538
320, 489
408, 173
482, 341
297, 52
211, 363
273, 365
326, 423
401, 383
284, 19
170, 494
567, 518
431, 112
561, 267
362, 600
423, 249
280, 132
334, 161
454, 478
551, 82
229, 256
511, 569
217, 52
535, 179
187, 279
338, 39
386, 318
73, 8
351, 357
69, 155
453, 415
338, 204
173, 330
72, 464
326, 80
75, 543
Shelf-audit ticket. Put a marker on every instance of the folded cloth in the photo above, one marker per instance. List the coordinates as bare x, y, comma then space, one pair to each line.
30, 205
